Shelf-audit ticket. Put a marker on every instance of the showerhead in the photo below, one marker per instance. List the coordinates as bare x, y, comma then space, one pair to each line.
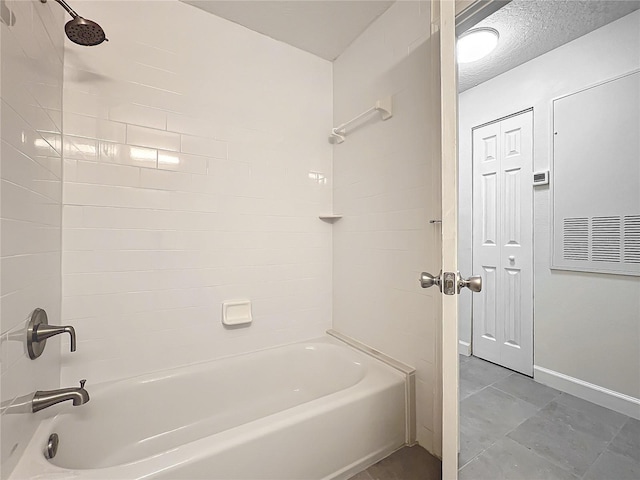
80, 30
84, 32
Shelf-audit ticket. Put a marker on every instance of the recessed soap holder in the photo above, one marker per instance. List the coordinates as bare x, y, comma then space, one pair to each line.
236, 313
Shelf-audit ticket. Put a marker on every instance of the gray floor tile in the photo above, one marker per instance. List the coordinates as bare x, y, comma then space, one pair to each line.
487, 416
475, 374
471, 447
364, 475
611, 466
585, 417
509, 460
559, 443
602, 414
408, 463
468, 387
627, 442
527, 389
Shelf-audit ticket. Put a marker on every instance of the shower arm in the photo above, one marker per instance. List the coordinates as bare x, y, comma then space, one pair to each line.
64, 5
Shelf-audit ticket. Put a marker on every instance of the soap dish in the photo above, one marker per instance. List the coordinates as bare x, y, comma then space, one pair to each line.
236, 313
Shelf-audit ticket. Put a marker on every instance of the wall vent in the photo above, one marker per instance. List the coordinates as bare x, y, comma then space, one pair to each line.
595, 178
576, 238
606, 239
631, 239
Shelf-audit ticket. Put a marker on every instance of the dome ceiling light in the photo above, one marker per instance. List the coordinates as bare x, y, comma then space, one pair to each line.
476, 44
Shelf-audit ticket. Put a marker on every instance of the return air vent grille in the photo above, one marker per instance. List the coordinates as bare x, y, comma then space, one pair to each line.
602, 243
576, 239
632, 239
605, 239
595, 175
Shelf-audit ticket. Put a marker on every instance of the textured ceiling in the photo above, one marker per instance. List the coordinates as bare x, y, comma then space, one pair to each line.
324, 28
530, 28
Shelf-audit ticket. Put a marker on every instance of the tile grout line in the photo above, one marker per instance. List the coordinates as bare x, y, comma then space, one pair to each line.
539, 409
477, 392
559, 465
606, 448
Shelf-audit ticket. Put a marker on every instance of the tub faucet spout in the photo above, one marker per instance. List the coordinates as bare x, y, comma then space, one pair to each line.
45, 398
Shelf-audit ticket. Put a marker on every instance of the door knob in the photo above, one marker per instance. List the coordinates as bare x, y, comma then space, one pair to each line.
473, 283
427, 280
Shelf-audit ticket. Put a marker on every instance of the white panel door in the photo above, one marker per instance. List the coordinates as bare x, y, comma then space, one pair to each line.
503, 242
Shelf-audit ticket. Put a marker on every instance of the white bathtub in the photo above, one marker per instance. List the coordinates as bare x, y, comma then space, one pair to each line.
311, 410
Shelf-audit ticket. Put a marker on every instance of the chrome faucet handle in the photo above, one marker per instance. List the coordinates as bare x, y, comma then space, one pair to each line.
38, 330
42, 332
82, 382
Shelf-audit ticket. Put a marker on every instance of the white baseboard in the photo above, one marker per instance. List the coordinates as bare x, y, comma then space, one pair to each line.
617, 401
464, 348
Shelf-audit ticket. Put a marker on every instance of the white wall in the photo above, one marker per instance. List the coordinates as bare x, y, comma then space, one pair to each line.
586, 326
386, 177
30, 209
189, 142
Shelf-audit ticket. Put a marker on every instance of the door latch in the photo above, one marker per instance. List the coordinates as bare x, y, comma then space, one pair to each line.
450, 283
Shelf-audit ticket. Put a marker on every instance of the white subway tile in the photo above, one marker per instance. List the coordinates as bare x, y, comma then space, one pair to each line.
165, 180
128, 155
80, 148
203, 146
205, 226
107, 174
83, 103
199, 126
148, 137
182, 162
89, 127
131, 113
32, 75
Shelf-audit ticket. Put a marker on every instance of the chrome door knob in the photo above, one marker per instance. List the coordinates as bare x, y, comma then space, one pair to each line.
427, 280
473, 283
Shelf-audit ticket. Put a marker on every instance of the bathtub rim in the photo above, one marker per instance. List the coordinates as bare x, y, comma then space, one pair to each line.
408, 371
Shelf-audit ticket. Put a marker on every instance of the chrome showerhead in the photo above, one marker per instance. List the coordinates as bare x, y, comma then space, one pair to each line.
80, 30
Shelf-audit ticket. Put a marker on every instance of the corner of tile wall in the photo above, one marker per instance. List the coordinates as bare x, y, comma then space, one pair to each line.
385, 179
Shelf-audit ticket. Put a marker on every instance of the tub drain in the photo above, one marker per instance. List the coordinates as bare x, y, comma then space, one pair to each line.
52, 446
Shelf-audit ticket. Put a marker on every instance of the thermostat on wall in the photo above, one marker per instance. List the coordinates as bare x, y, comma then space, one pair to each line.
541, 178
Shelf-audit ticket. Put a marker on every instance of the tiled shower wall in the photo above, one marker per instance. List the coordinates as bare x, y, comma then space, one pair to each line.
387, 186
196, 163
30, 208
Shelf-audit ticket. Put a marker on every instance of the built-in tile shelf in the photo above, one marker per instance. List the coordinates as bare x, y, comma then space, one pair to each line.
330, 217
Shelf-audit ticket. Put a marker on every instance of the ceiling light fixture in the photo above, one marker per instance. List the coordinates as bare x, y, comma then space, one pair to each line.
476, 44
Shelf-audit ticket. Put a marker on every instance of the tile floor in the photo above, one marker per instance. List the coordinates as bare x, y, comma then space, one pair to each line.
408, 463
514, 428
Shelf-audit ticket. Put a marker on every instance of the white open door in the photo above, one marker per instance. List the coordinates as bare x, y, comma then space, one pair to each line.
443, 63
450, 282
449, 152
